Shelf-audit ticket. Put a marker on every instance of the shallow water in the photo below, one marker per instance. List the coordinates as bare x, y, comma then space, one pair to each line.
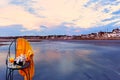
72, 60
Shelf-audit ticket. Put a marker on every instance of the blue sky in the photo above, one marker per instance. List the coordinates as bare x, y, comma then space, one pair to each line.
58, 17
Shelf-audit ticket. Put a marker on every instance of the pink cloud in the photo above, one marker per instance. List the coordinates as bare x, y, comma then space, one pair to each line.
77, 31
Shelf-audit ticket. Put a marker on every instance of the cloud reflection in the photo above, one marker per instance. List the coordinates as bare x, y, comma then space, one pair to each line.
2, 59
71, 61
63, 60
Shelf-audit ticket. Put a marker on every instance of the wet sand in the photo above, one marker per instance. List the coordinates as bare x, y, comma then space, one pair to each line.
72, 60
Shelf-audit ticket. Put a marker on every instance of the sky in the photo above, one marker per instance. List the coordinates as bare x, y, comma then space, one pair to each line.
58, 17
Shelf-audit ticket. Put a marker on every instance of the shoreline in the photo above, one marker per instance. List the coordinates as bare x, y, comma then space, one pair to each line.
3, 44
39, 40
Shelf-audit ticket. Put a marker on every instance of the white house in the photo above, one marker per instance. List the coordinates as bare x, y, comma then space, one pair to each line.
114, 33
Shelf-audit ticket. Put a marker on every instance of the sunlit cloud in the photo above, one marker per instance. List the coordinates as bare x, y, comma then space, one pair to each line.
3, 3
33, 14
13, 15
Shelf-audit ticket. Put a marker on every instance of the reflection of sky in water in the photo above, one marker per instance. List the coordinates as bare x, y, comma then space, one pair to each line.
58, 60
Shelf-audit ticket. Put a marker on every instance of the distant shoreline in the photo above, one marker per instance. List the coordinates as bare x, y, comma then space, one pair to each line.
39, 40
3, 44
55, 38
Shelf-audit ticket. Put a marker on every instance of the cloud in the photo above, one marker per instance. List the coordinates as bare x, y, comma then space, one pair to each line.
52, 13
12, 15
77, 31
116, 12
3, 3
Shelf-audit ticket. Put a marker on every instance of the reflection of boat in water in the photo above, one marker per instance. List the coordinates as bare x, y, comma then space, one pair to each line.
22, 61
